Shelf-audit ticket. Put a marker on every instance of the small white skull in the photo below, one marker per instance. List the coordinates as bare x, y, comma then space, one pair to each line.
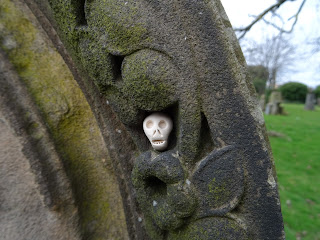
157, 127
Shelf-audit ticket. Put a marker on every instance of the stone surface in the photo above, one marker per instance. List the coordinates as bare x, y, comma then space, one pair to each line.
78, 183
310, 101
216, 180
24, 213
35, 195
262, 102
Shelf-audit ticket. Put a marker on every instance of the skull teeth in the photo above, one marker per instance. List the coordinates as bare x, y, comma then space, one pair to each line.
157, 142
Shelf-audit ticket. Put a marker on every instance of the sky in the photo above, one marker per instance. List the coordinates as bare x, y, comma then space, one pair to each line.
306, 68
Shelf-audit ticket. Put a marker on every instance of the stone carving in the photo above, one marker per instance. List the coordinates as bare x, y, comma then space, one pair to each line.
215, 178
157, 128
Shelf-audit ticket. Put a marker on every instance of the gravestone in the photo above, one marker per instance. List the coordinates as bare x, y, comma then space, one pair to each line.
274, 105
215, 179
310, 101
318, 101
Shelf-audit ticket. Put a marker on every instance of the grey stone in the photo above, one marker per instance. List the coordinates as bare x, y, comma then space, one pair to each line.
75, 191
24, 215
274, 105
35, 201
180, 58
310, 101
262, 102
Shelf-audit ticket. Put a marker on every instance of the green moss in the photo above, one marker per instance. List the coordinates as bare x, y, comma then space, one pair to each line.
69, 119
110, 25
117, 25
217, 192
209, 228
65, 12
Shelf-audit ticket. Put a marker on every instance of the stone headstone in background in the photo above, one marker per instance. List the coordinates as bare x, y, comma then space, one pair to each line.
310, 101
274, 107
318, 101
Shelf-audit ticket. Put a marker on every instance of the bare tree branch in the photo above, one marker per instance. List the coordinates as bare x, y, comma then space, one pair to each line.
258, 18
296, 16
273, 8
275, 53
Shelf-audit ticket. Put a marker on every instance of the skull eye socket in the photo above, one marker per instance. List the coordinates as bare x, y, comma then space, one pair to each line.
162, 124
149, 124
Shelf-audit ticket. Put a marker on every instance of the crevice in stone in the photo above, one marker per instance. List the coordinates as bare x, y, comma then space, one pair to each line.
206, 142
79, 7
117, 64
156, 186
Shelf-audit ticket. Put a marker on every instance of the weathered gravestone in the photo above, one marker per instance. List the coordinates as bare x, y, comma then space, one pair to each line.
274, 105
318, 101
216, 178
310, 101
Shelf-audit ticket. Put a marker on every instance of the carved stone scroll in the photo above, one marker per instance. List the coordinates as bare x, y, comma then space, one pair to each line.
216, 179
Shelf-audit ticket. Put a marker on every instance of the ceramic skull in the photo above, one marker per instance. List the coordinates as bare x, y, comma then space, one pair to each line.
157, 127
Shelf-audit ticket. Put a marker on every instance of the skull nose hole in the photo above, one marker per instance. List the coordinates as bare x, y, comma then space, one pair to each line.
156, 186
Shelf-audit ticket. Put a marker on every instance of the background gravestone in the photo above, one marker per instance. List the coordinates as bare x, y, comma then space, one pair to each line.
216, 180
310, 101
274, 107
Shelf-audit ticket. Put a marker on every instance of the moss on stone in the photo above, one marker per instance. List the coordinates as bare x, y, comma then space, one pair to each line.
218, 193
117, 25
69, 120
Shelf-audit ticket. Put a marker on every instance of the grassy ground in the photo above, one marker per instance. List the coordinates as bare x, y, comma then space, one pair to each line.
297, 159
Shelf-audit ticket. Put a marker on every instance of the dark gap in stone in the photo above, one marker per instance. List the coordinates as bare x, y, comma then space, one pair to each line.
156, 186
117, 63
79, 6
172, 111
206, 143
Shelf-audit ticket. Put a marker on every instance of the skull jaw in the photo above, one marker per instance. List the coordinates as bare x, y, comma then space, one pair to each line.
159, 145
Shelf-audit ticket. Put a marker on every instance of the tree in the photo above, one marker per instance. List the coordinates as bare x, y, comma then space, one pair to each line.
285, 17
317, 91
273, 9
294, 91
276, 54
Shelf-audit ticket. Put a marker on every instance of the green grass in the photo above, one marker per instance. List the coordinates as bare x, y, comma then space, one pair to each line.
297, 159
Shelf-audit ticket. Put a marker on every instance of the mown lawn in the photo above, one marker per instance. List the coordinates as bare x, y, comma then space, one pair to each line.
297, 159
